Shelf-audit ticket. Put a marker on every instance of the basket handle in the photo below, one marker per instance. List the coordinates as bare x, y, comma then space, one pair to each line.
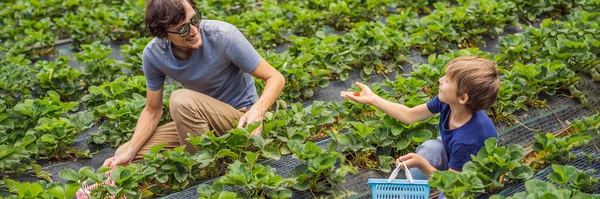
406, 172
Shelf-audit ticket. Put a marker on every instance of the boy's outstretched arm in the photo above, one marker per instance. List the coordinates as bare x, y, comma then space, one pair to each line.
399, 111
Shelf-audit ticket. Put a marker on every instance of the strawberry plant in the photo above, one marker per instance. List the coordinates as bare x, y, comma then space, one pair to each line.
356, 146
6, 122
434, 32
14, 158
29, 111
553, 150
516, 48
457, 185
119, 89
55, 136
301, 76
328, 52
587, 125
133, 54
482, 17
299, 123
124, 180
317, 171
84, 29
15, 79
127, 20
576, 53
264, 28
578, 179
121, 117
215, 152
539, 189
342, 14
305, 22
420, 6
97, 67
401, 20
495, 165
173, 170
525, 82
249, 180
60, 77
231, 7
510, 99
40, 189
372, 43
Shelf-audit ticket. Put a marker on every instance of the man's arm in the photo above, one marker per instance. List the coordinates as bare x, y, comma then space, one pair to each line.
144, 128
399, 111
274, 83
147, 122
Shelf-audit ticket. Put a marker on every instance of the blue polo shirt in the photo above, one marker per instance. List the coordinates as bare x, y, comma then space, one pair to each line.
463, 141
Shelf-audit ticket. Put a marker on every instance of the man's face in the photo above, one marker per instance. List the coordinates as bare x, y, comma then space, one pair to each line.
193, 39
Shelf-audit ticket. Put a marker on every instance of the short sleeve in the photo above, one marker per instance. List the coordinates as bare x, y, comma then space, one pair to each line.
240, 51
460, 155
434, 105
154, 78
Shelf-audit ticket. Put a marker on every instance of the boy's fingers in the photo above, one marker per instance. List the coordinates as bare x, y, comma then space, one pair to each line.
360, 85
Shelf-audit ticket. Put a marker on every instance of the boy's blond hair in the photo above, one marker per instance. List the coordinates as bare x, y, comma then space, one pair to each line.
478, 78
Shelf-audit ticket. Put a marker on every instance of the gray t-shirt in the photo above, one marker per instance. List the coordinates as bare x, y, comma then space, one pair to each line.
219, 68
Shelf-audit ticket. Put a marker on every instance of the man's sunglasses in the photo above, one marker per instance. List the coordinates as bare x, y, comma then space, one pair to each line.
184, 29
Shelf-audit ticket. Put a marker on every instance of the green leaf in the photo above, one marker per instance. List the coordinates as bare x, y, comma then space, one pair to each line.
271, 153
69, 175
281, 194
251, 158
420, 135
225, 195
57, 192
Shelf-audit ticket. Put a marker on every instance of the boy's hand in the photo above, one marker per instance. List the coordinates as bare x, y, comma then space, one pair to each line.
366, 96
412, 160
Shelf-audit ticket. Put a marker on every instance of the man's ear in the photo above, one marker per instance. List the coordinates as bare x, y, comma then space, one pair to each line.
463, 99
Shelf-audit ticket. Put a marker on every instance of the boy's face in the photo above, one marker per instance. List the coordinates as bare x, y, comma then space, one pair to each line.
193, 39
447, 92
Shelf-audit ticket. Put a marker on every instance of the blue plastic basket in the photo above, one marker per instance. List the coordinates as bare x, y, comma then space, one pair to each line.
399, 189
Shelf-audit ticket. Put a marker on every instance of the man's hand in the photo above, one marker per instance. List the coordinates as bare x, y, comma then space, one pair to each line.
253, 115
121, 159
366, 96
412, 160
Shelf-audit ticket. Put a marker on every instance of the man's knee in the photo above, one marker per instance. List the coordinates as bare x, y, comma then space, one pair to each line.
179, 98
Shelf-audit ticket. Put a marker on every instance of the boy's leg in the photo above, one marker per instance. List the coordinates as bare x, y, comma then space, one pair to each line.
434, 152
192, 112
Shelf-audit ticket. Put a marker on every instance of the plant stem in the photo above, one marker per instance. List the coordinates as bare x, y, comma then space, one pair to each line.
538, 130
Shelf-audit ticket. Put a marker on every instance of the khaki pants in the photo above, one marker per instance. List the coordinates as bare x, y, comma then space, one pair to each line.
193, 113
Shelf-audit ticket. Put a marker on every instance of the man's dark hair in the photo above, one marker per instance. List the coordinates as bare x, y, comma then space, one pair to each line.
160, 14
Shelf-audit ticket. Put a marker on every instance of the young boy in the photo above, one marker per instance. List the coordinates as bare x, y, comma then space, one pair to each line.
470, 85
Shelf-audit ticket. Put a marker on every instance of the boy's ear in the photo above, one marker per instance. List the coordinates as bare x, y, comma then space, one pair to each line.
463, 99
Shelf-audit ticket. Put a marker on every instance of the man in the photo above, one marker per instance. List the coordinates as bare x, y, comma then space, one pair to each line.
215, 63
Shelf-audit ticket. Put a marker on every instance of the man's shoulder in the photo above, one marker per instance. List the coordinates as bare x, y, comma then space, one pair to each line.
155, 48
216, 27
